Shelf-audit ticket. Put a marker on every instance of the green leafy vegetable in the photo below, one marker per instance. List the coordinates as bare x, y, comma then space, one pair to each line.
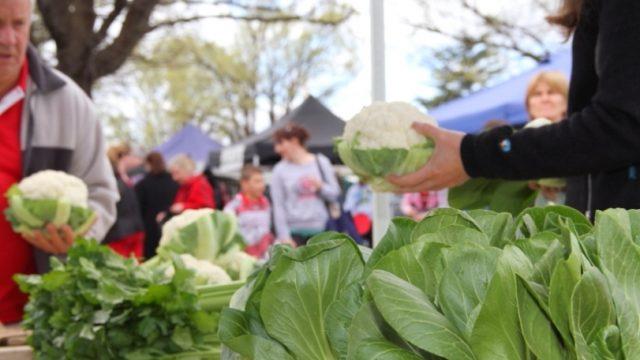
99, 305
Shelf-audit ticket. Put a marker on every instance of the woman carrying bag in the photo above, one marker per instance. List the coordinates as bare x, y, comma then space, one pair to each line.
298, 192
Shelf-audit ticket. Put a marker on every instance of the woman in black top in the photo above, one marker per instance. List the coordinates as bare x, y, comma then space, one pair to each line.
155, 194
599, 143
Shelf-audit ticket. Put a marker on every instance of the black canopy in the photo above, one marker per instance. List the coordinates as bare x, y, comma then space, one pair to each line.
322, 124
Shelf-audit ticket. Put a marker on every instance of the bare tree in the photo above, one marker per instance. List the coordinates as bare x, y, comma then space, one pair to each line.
497, 31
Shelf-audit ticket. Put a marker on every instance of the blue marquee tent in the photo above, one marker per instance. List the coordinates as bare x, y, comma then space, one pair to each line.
189, 140
504, 101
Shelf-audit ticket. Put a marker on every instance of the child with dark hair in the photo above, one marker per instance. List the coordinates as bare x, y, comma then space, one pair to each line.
253, 211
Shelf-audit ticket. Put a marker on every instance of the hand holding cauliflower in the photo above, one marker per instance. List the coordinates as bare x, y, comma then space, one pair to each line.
380, 141
50, 208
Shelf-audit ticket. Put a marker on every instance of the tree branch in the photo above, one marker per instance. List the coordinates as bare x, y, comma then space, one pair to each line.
501, 26
513, 45
118, 7
134, 28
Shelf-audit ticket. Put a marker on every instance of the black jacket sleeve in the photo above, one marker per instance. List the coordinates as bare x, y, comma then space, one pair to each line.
604, 135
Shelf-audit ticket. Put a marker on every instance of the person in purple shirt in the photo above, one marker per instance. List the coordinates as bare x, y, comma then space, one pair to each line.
298, 193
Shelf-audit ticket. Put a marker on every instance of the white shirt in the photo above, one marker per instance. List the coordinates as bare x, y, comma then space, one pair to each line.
11, 98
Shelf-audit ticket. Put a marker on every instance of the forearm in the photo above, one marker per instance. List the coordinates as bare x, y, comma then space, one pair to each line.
593, 140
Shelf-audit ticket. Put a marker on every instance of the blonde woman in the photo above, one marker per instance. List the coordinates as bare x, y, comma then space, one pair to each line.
547, 98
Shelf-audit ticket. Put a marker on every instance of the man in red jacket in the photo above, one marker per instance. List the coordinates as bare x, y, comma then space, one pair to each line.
46, 122
16, 254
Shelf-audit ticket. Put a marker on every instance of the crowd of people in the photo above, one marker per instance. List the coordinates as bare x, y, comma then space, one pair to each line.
302, 198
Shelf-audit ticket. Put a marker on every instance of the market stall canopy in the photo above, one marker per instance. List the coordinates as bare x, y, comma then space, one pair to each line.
504, 101
322, 124
191, 141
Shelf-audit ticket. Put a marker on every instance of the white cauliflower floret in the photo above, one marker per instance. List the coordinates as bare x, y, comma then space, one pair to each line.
51, 184
179, 221
206, 272
238, 262
386, 125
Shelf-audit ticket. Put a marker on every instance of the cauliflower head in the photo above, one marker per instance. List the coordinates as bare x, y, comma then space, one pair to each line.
206, 272
379, 141
49, 197
238, 263
187, 217
58, 185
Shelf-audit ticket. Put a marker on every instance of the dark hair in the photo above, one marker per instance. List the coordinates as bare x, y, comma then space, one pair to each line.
568, 16
248, 171
291, 131
156, 162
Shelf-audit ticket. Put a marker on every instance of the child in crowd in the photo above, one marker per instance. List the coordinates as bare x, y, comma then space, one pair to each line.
253, 211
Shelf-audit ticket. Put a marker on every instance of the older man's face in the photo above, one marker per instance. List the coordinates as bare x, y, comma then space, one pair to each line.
15, 17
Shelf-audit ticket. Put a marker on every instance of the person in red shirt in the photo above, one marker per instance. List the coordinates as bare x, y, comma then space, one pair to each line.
194, 192
16, 255
34, 99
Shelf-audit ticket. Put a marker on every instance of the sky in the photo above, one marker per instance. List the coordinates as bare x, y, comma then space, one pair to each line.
407, 78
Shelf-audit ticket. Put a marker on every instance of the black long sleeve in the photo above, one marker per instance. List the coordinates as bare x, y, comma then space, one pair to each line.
603, 131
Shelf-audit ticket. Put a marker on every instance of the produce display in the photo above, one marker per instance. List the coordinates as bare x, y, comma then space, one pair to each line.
49, 197
379, 141
99, 305
492, 194
210, 236
477, 285
546, 284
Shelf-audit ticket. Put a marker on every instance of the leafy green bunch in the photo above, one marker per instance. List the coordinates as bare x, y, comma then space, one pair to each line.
99, 305
546, 284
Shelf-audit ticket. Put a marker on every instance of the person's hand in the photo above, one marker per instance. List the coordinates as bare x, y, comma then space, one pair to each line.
161, 215
288, 241
315, 184
410, 213
55, 240
177, 208
418, 216
443, 170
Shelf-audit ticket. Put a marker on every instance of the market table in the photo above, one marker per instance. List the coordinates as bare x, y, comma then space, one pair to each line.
16, 353
13, 344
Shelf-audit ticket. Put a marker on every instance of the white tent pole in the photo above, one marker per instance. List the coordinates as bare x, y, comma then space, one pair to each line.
381, 202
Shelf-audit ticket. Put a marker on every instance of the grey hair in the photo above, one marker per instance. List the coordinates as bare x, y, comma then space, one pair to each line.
183, 162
